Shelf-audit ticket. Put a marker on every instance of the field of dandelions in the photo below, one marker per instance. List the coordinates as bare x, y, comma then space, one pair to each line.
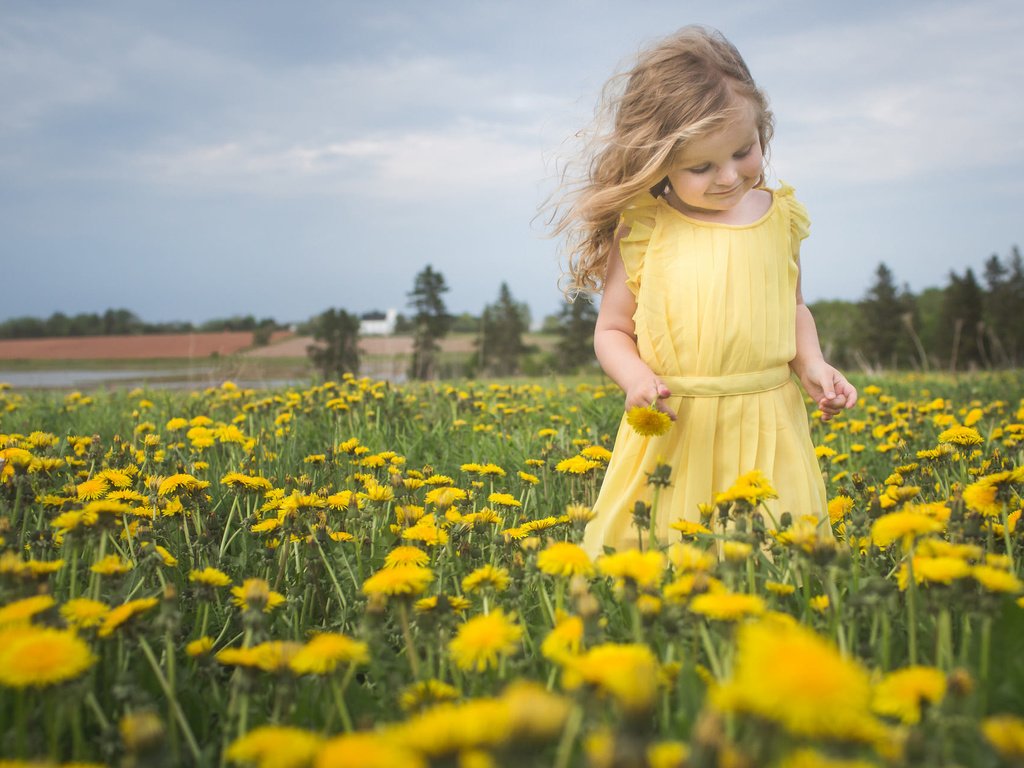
364, 574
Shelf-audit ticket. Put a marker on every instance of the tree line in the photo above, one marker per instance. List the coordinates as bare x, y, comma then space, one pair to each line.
120, 322
964, 325
500, 347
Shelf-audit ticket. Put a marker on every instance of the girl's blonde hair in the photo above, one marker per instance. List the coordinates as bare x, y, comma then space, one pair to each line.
682, 88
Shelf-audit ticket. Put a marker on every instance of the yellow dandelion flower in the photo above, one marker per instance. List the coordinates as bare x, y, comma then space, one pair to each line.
689, 528
40, 656
901, 693
577, 465
933, 570
480, 642
787, 674
648, 421
777, 588
123, 613
996, 579
111, 565
486, 576
93, 488
504, 500
597, 453
645, 569
199, 647
82, 612
210, 577
445, 496
579, 514
243, 482
727, 606
667, 754
1006, 735
839, 508
426, 693
322, 654
406, 555
961, 436
22, 611
276, 746
565, 640
628, 673
181, 483
271, 656
399, 580
256, 595
526, 477
752, 488
820, 603
981, 497
902, 526
736, 551
563, 558
367, 750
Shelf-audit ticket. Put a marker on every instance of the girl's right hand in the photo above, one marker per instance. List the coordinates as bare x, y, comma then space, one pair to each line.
646, 392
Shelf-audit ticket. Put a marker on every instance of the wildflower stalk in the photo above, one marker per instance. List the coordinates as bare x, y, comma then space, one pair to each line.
709, 649
984, 661
410, 645
1007, 542
171, 698
330, 572
569, 733
338, 689
944, 640
911, 609
227, 528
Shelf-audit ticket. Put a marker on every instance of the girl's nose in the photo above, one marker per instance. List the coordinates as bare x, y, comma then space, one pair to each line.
727, 176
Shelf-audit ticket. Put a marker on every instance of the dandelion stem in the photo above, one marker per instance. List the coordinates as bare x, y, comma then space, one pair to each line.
410, 646
569, 734
338, 689
911, 609
171, 698
709, 649
227, 528
330, 572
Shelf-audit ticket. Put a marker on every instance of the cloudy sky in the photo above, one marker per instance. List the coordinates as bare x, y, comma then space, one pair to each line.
190, 160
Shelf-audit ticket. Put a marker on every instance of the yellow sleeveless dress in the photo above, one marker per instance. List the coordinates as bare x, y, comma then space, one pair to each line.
716, 320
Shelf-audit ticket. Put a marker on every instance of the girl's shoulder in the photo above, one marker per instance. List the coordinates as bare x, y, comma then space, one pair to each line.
799, 220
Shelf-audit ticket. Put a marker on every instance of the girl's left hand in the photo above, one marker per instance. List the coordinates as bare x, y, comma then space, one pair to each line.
829, 389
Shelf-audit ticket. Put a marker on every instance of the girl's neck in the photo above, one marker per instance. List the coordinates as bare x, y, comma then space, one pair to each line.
751, 207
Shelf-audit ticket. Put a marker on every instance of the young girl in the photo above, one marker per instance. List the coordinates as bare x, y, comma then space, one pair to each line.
701, 313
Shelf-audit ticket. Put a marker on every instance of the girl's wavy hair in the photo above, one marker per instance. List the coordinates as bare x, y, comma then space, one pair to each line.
682, 88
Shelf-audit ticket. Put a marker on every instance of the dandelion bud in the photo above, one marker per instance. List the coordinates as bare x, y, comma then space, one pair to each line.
141, 732
960, 683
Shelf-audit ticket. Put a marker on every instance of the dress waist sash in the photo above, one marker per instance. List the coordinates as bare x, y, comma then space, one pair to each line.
732, 384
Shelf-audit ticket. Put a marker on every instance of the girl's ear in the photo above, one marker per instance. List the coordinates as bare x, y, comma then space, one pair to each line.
660, 188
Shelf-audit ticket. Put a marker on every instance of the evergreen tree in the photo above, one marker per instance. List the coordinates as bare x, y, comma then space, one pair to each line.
338, 350
1004, 320
885, 313
575, 330
431, 322
500, 346
963, 322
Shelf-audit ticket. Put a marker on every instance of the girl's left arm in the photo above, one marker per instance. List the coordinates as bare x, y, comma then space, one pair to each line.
825, 384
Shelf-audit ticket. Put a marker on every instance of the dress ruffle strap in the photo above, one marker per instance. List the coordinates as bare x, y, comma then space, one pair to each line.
639, 217
799, 221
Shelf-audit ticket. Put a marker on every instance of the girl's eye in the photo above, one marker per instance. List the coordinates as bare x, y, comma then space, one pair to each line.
700, 168
743, 153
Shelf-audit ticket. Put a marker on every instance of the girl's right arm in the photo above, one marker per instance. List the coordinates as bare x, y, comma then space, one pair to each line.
615, 339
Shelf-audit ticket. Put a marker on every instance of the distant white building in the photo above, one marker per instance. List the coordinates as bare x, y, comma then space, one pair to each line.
378, 323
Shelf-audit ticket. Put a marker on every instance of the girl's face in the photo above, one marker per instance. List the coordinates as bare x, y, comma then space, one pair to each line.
714, 173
